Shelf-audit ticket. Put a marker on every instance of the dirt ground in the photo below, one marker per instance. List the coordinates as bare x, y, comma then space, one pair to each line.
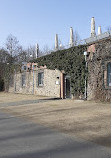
85, 119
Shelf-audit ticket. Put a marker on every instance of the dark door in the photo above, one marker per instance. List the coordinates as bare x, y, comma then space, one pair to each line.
67, 87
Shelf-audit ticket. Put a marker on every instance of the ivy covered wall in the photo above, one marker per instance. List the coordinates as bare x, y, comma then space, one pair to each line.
72, 62
98, 88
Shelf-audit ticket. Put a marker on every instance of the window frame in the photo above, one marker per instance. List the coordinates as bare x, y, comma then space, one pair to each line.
40, 79
109, 74
105, 63
23, 80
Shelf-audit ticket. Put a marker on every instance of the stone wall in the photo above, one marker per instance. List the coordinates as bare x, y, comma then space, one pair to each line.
17, 86
51, 83
97, 71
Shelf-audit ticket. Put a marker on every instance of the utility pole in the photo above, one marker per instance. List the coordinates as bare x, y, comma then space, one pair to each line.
85, 93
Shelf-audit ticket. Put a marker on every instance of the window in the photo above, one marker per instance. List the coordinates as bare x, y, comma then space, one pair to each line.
109, 74
40, 78
25, 68
23, 80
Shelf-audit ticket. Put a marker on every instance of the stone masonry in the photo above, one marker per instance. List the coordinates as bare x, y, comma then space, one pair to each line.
98, 59
50, 87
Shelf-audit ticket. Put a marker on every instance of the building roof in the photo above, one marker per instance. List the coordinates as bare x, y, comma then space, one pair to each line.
98, 37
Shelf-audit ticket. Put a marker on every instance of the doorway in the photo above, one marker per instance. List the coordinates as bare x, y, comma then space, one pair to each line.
67, 87
1, 84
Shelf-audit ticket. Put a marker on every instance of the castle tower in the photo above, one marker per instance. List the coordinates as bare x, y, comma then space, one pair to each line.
56, 42
93, 33
99, 30
37, 50
71, 42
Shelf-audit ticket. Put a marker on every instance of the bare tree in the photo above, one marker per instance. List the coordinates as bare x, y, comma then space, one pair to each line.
76, 38
46, 50
109, 28
30, 53
21, 57
12, 44
13, 47
4, 56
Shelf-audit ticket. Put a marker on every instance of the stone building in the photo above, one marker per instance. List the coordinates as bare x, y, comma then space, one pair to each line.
46, 82
99, 70
41, 81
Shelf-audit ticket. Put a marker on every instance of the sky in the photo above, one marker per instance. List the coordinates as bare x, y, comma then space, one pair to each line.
37, 21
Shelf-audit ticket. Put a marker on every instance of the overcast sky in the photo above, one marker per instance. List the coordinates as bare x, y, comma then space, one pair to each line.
37, 21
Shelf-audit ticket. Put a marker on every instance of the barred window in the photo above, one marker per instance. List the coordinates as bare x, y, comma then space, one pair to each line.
40, 78
109, 74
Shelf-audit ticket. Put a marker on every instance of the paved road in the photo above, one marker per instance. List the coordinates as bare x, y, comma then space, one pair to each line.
17, 103
22, 139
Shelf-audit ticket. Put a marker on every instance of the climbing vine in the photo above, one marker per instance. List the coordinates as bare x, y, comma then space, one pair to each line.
72, 62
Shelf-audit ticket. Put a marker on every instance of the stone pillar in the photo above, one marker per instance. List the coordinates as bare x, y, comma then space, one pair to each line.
56, 42
93, 33
37, 50
99, 30
71, 43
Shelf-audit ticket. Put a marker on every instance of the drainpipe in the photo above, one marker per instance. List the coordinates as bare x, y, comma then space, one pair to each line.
15, 81
33, 78
85, 94
65, 87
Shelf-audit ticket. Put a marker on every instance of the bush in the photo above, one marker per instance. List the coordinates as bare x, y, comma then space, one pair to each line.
1, 84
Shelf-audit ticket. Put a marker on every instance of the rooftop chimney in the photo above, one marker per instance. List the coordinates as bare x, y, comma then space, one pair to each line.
37, 50
99, 30
93, 33
71, 42
56, 42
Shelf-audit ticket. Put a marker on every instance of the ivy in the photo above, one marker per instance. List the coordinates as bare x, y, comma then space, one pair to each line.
72, 62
